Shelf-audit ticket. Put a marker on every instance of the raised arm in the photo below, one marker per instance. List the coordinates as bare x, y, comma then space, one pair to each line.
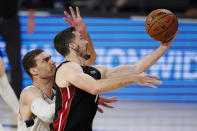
145, 63
141, 66
77, 22
30, 23
72, 73
6, 90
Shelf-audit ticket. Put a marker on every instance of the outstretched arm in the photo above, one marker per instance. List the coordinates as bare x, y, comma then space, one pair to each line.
28, 4
77, 22
6, 91
145, 63
141, 66
72, 73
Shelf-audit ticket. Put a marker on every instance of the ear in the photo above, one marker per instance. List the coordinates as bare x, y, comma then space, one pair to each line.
72, 46
33, 71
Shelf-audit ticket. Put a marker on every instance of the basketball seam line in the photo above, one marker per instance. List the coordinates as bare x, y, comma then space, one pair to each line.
166, 29
158, 20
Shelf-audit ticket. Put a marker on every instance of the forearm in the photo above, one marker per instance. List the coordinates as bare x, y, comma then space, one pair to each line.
119, 71
89, 84
91, 49
8, 94
31, 14
141, 66
73, 74
107, 85
146, 62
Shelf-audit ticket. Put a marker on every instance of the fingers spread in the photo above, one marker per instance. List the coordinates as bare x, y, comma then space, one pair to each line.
150, 85
72, 12
111, 99
67, 15
78, 12
153, 81
68, 21
100, 110
153, 77
106, 105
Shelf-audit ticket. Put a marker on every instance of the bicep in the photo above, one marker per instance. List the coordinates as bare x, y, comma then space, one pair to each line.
66, 74
82, 81
73, 74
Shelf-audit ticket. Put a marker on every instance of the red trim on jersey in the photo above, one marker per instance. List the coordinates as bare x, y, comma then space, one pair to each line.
63, 112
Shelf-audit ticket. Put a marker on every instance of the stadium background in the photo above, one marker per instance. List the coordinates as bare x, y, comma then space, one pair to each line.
123, 41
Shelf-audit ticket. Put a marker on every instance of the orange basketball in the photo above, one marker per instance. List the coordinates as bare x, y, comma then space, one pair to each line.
161, 25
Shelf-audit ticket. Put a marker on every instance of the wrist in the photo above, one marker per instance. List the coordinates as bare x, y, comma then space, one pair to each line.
164, 46
133, 78
83, 33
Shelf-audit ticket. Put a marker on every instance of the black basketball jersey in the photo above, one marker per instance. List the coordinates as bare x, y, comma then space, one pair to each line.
75, 108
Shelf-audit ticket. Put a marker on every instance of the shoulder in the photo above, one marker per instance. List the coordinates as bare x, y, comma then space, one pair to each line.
66, 73
29, 94
69, 67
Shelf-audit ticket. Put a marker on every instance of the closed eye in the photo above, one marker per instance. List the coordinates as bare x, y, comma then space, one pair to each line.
47, 59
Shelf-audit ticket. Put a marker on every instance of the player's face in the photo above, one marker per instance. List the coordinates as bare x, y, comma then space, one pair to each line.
82, 46
45, 65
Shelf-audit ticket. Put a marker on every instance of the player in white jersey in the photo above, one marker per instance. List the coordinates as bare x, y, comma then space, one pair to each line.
35, 110
38, 123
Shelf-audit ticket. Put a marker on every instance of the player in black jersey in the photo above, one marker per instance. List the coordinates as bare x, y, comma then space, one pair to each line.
79, 83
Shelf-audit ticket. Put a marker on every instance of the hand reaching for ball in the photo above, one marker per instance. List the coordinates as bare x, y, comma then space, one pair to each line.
168, 42
161, 25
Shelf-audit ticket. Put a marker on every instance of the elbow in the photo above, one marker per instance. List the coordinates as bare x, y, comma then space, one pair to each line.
95, 91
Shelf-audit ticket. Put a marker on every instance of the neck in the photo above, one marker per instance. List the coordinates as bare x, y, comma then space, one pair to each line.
45, 85
73, 57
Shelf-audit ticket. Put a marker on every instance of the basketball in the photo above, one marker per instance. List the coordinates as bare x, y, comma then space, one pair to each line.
161, 25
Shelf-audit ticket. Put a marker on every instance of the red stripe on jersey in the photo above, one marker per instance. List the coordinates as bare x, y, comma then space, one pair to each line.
60, 122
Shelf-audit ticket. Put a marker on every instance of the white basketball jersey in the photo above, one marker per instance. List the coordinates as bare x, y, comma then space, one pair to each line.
38, 125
